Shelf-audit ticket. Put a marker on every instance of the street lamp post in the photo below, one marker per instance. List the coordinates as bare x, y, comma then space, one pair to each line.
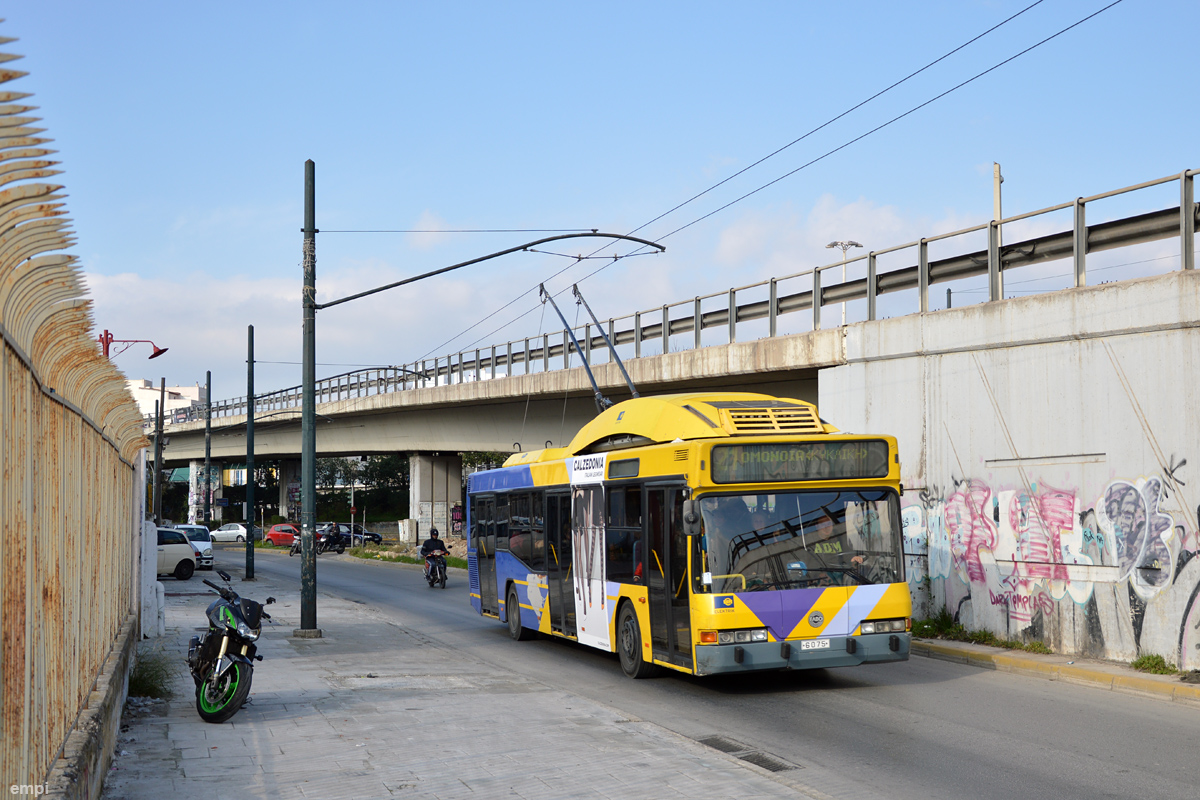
308, 437
846, 245
107, 340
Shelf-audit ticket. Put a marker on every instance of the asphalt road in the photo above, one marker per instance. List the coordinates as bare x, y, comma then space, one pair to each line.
920, 729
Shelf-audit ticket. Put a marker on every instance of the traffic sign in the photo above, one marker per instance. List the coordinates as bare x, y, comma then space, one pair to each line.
353, 510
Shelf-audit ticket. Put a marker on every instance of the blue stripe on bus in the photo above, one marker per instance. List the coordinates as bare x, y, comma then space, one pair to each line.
495, 480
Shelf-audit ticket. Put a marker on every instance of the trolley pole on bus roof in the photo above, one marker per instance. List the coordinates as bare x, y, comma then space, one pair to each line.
308, 416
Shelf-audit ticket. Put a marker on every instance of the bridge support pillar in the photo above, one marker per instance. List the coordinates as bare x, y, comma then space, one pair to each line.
434, 489
197, 485
289, 489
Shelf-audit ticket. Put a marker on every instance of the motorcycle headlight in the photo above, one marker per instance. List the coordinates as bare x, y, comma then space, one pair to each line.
246, 631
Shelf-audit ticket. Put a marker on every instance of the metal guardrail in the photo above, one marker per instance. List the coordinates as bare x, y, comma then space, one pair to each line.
789, 294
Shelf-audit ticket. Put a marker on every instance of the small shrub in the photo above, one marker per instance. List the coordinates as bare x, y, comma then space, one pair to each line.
943, 626
1154, 664
938, 626
153, 673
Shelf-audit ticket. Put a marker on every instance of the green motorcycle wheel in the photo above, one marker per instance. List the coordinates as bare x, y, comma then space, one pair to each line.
220, 701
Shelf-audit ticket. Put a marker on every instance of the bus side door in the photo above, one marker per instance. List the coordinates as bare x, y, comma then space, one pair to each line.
558, 563
664, 563
485, 552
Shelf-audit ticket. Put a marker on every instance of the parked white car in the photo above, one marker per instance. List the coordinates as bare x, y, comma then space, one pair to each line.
201, 541
234, 532
175, 554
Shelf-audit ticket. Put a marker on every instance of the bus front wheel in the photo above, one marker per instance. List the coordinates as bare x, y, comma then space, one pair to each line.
629, 646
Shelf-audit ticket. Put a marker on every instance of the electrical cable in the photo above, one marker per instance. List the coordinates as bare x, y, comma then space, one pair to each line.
779, 150
478, 230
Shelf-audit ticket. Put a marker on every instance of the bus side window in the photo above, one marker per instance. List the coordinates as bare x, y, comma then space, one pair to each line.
620, 554
501, 522
519, 535
537, 555
624, 529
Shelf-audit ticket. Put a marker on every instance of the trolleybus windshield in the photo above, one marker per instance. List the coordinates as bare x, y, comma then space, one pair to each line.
797, 540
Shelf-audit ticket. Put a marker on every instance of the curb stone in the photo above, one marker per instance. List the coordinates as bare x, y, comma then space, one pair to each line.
1099, 674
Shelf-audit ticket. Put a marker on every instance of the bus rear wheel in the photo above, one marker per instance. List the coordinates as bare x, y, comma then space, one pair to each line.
512, 610
629, 645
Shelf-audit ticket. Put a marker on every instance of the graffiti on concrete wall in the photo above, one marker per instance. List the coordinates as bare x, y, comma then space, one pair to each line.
1111, 575
1129, 514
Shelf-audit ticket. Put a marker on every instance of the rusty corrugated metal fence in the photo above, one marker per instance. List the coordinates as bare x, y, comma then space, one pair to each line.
69, 436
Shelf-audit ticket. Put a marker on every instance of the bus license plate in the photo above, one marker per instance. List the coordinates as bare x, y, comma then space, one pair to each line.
814, 644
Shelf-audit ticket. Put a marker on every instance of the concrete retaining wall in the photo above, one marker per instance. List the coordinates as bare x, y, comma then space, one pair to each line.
1051, 456
80, 770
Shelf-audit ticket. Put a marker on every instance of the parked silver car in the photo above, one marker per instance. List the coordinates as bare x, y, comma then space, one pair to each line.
235, 532
201, 541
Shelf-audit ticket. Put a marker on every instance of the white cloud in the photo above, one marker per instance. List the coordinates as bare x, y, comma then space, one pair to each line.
428, 221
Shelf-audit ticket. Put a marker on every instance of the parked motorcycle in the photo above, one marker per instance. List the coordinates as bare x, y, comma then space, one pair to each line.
435, 568
296, 549
222, 659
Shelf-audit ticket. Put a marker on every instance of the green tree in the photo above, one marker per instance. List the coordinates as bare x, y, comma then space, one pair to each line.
332, 471
483, 459
387, 473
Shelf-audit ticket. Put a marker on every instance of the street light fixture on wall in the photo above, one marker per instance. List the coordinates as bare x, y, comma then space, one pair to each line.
308, 432
846, 245
106, 340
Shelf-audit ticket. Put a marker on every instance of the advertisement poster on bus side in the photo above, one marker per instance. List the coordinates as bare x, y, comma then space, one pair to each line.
588, 553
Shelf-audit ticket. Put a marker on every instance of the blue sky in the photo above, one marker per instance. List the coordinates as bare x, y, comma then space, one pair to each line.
183, 129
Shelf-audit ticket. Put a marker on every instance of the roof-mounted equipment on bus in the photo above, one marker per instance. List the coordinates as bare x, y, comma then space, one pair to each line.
616, 356
602, 402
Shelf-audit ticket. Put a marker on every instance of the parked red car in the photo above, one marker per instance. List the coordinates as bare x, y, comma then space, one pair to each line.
282, 535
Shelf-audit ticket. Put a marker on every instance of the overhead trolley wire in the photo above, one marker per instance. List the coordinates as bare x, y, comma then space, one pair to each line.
719, 184
825, 155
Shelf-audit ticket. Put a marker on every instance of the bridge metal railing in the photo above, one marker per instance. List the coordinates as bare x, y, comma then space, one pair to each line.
777, 298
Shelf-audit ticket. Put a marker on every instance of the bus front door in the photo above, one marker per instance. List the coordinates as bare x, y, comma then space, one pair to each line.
665, 565
558, 563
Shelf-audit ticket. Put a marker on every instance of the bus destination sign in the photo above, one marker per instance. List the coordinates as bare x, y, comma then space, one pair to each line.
799, 461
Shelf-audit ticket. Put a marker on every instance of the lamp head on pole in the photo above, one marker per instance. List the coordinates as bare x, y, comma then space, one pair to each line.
846, 245
106, 341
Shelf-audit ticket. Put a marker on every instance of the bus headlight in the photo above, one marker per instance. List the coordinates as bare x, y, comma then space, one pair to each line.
742, 637
885, 626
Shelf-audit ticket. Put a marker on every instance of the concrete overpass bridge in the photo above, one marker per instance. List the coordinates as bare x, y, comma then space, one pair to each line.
903, 375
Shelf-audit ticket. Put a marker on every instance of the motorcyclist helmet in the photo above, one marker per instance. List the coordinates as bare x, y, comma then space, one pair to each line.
433, 532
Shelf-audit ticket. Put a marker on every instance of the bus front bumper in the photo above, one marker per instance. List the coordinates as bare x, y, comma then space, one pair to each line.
843, 651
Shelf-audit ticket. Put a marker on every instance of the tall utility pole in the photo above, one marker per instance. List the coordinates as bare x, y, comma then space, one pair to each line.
207, 447
308, 414
308, 417
249, 576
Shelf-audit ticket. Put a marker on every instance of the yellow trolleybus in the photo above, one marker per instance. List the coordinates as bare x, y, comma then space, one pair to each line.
705, 533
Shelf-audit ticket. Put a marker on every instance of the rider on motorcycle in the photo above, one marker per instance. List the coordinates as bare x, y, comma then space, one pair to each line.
430, 546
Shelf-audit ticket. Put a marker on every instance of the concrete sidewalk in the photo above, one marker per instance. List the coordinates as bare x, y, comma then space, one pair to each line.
1099, 674
376, 710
